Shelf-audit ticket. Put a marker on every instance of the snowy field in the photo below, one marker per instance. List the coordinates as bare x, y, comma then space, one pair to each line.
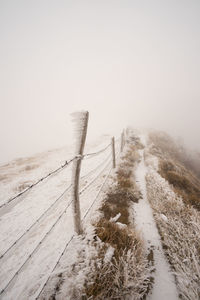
37, 226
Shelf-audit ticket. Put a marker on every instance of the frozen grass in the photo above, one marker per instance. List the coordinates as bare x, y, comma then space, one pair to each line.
182, 182
111, 262
164, 146
96, 273
179, 227
174, 194
126, 275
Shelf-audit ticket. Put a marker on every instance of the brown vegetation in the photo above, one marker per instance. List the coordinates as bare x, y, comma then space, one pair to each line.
175, 166
182, 182
179, 234
164, 145
114, 279
119, 277
112, 263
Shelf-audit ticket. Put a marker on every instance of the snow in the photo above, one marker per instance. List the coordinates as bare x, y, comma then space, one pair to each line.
180, 233
164, 285
22, 220
121, 225
109, 254
114, 219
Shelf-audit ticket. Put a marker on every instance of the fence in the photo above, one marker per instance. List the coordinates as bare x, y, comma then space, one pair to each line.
108, 162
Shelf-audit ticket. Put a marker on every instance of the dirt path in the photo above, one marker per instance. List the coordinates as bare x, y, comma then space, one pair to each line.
164, 286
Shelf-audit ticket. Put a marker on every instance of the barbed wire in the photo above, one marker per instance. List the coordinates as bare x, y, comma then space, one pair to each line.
37, 221
48, 232
94, 170
99, 190
57, 262
97, 194
62, 253
89, 155
44, 213
36, 248
40, 180
89, 184
59, 218
53, 172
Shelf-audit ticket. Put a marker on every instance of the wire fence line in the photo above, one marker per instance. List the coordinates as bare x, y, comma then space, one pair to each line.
89, 155
35, 249
36, 222
53, 204
67, 163
68, 242
86, 187
49, 231
95, 169
103, 166
38, 181
95, 198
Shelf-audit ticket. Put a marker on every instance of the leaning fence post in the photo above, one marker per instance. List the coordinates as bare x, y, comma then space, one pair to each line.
81, 122
113, 152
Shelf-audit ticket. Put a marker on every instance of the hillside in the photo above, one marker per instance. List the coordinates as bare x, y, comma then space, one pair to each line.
141, 224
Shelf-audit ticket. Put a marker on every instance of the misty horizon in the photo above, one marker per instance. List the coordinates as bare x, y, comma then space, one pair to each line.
129, 63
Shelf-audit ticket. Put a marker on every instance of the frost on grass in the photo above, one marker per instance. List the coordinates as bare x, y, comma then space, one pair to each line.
111, 263
177, 167
115, 273
126, 274
180, 232
99, 270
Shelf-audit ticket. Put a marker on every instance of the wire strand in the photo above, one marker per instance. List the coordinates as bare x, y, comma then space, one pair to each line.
53, 172
47, 233
62, 253
37, 182
59, 218
44, 213
96, 153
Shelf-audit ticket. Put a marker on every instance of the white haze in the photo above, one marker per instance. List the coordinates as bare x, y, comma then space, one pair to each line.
126, 62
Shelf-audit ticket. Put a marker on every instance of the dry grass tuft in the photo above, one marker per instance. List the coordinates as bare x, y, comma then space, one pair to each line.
182, 182
118, 201
164, 146
125, 273
121, 239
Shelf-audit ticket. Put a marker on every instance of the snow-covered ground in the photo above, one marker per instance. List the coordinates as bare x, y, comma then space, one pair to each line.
164, 286
36, 227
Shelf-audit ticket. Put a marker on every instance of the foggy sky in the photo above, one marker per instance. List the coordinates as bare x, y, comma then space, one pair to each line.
127, 62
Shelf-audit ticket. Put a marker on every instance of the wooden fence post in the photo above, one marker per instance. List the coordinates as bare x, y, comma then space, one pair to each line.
81, 124
122, 141
113, 152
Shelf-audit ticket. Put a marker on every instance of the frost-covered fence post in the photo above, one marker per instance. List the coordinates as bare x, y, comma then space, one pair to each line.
81, 122
122, 141
113, 152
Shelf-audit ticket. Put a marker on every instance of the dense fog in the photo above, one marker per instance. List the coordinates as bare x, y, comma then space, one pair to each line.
127, 62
